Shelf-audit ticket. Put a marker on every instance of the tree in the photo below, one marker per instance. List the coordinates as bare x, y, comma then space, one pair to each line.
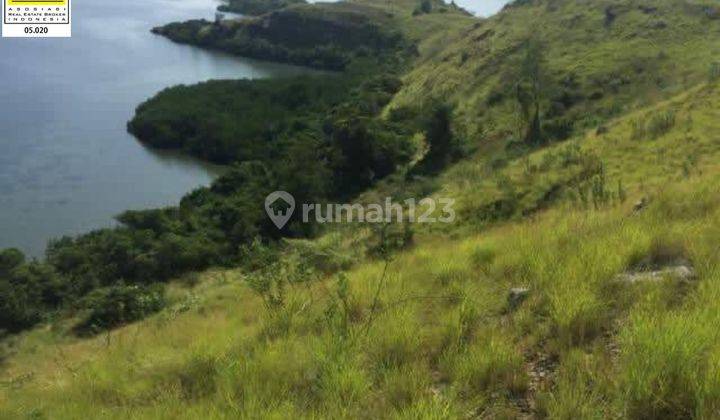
530, 91
439, 137
439, 132
424, 7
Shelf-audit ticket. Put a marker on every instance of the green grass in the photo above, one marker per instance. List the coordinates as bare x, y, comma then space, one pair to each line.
429, 333
610, 69
433, 346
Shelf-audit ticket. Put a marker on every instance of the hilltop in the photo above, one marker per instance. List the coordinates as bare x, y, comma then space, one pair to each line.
579, 142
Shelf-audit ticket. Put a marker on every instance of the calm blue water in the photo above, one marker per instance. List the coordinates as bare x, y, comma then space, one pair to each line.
67, 164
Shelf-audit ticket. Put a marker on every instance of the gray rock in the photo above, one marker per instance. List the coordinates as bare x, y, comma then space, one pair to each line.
679, 273
517, 296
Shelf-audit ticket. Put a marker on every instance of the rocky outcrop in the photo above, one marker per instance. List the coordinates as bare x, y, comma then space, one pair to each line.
681, 273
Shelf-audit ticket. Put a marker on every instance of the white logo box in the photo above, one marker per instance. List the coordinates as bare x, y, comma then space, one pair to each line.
36, 18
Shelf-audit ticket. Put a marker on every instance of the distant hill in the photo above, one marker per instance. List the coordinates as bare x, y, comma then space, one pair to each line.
603, 59
256, 7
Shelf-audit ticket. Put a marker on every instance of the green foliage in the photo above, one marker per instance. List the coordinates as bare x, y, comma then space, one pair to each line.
285, 123
140, 256
338, 313
10, 259
257, 7
270, 131
28, 291
272, 281
443, 145
423, 7
714, 73
327, 35
594, 73
660, 124
656, 126
389, 238
429, 335
531, 89
226, 121
117, 305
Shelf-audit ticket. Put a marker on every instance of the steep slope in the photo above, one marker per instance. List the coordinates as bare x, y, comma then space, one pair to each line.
580, 279
430, 333
602, 59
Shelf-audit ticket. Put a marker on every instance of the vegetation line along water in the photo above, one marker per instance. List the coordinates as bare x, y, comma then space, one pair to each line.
67, 164
580, 278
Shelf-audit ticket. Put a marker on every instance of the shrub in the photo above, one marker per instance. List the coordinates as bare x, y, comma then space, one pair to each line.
483, 257
121, 304
660, 124
424, 7
28, 292
439, 134
389, 238
559, 129
10, 259
714, 73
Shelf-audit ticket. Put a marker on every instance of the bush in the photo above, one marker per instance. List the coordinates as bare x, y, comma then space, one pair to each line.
442, 144
714, 73
559, 129
28, 291
10, 259
390, 238
660, 124
423, 8
114, 306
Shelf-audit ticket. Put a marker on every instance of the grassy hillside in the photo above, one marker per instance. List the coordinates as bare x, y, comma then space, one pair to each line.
603, 58
431, 333
580, 279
